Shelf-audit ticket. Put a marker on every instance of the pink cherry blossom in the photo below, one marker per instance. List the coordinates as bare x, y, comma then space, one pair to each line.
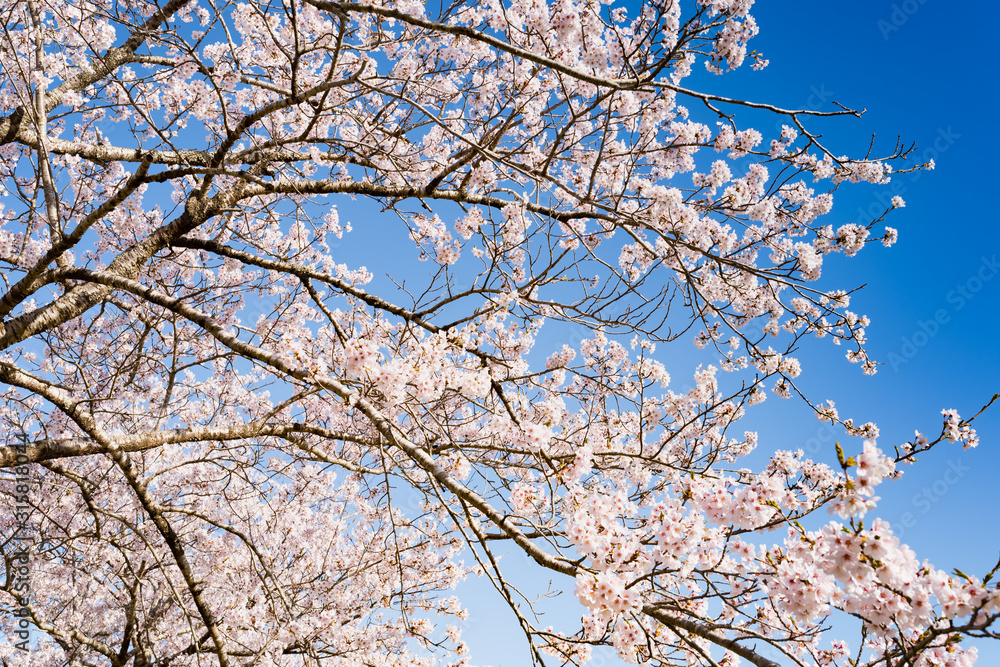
312, 310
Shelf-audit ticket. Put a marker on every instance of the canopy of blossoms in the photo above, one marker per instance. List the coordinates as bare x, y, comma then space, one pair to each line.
231, 444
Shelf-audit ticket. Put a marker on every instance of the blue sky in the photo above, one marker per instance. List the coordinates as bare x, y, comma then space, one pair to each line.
926, 73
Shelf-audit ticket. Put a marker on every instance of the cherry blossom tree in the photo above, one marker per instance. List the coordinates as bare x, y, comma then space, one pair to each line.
230, 444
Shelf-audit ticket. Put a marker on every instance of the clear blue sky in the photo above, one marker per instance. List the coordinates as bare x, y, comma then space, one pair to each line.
926, 72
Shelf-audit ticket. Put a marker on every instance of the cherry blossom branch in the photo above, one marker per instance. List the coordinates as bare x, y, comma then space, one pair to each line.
10, 126
86, 421
48, 450
341, 8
